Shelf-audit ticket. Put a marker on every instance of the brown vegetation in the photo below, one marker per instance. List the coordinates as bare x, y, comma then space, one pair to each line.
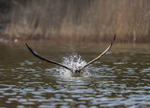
84, 20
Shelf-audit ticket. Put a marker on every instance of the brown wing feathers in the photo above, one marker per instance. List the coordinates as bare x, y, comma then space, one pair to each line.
54, 62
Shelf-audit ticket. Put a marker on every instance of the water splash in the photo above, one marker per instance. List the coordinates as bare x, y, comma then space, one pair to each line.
73, 61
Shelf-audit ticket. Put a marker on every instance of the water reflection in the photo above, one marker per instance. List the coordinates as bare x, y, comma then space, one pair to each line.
120, 79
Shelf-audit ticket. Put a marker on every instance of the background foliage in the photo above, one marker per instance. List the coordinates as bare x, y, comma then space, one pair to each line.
84, 20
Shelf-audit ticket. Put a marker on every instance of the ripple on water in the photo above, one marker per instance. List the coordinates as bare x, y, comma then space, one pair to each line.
122, 82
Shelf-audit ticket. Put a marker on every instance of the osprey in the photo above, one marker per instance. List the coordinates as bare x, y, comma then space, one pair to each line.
76, 71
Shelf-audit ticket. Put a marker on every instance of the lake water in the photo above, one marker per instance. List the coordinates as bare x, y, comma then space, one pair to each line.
121, 78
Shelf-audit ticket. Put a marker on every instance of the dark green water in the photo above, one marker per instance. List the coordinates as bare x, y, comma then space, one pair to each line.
120, 79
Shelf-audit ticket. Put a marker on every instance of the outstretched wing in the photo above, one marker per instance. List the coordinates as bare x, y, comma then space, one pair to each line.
103, 53
42, 58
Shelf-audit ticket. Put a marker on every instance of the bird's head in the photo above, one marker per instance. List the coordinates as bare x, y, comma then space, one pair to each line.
76, 71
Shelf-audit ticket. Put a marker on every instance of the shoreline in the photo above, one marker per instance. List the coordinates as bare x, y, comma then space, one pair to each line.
66, 41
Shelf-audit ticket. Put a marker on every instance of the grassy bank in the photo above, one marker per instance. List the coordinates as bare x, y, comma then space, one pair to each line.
80, 20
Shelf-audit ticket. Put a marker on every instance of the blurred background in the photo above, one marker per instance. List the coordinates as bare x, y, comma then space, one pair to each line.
120, 79
75, 20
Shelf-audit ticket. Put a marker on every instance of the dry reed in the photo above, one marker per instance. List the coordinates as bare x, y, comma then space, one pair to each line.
80, 20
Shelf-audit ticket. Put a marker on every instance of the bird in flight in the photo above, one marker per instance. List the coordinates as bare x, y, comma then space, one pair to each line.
73, 71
